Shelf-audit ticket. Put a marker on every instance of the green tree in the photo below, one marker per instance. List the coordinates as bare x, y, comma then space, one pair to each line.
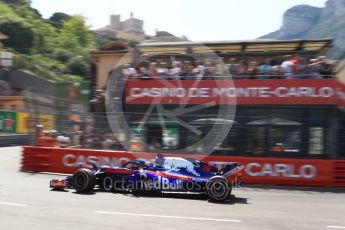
132, 43
76, 28
17, 2
63, 55
21, 35
44, 33
77, 66
57, 19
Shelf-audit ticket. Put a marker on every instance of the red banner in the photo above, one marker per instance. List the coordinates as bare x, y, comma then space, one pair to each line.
241, 92
274, 171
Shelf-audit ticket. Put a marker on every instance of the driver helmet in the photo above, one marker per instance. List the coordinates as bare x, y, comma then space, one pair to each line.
159, 160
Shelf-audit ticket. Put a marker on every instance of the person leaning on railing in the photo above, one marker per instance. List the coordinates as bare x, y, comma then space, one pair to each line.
293, 67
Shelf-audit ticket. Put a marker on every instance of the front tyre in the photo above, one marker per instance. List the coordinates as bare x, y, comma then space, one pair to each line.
217, 188
84, 180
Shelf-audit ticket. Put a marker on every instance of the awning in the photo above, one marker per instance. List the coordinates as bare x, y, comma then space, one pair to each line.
233, 47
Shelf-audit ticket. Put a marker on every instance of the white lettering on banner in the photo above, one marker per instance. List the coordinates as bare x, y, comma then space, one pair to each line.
158, 92
71, 160
303, 92
231, 92
254, 169
281, 170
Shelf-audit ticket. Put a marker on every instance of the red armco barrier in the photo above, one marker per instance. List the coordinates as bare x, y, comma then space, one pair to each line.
259, 170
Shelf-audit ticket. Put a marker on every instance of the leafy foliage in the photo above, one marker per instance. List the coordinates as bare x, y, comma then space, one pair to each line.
57, 19
133, 42
17, 2
57, 49
77, 66
20, 33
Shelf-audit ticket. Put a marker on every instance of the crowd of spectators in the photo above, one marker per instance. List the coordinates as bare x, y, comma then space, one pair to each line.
86, 140
291, 67
106, 141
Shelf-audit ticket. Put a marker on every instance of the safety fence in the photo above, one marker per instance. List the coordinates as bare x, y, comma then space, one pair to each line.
268, 171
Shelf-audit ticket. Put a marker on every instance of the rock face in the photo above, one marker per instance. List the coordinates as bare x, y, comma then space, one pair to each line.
308, 22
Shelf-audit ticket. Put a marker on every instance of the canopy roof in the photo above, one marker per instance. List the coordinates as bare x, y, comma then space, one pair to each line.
235, 47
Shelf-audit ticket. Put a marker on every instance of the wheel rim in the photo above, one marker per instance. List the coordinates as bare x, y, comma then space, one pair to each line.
218, 190
79, 180
107, 183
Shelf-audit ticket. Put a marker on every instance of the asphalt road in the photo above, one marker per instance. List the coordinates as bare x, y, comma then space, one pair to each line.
26, 202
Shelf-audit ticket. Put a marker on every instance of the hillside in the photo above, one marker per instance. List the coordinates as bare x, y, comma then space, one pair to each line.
57, 48
308, 22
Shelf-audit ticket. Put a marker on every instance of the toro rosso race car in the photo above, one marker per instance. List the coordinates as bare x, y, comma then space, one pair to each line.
167, 174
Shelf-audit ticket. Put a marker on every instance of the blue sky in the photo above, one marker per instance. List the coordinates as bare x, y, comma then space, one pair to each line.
198, 20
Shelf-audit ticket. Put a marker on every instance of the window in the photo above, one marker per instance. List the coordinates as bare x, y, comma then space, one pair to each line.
316, 140
170, 138
274, 135
136, 138
257, 140
285, 139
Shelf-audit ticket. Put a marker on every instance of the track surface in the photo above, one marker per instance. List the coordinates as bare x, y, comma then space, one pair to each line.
26, 202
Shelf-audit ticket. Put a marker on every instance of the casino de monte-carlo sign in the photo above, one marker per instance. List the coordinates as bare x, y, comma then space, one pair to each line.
298, 92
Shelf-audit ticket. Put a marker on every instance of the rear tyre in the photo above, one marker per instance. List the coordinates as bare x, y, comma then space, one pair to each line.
217, 188
84, 180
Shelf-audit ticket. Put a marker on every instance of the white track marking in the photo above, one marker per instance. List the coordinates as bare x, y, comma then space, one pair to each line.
13, 204
336, 227
171, 217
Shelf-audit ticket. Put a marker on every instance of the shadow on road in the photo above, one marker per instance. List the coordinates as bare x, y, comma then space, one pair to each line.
58, 190
156, 195
84, 194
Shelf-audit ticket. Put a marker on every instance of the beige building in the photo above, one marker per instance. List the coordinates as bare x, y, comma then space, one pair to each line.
130, 29
13, 103
105, 59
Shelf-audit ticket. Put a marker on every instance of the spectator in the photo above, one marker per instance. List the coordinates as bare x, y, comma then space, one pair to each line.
287, 67
144, 73
88, 141
190, 73
175, 72
244, 70
277, 72
154, 145
163, 70
301, 68
185, 69
253, 70
97, 141
325, 67
233, 67
107, 142
82, 139
209, 70
265, 70
63, 140
221, 68
153, 71
128, 72
138, 73
199, 70
314, 68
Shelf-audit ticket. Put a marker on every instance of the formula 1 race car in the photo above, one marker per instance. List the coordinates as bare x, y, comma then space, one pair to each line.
167, 174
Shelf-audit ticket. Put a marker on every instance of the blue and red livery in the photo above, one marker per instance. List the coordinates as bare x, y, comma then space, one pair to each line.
167, 174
